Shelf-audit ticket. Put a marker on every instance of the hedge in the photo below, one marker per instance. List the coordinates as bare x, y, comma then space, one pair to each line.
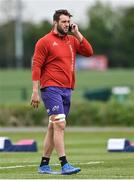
82, 114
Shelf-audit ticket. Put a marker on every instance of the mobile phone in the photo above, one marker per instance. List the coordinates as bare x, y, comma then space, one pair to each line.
71, 26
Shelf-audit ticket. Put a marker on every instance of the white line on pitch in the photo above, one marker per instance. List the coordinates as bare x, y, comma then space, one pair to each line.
33, 165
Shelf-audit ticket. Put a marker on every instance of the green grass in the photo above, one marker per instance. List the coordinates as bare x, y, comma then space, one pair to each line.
89, 80
12, 83
84, 149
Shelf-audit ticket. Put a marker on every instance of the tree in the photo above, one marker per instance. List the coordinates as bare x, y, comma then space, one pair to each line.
7, 30
32, 32
111, 32
7, 45
127, 37
99, 27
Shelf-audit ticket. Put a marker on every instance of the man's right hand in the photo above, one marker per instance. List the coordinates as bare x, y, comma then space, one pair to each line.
35, 99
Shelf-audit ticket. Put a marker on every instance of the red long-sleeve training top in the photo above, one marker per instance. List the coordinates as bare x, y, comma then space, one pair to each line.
53, 62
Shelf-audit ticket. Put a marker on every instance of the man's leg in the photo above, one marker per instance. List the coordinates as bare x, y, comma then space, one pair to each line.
59, 138
53, 100
48, 147
59, 124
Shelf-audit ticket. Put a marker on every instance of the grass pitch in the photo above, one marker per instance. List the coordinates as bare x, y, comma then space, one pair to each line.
16, 85
86, 150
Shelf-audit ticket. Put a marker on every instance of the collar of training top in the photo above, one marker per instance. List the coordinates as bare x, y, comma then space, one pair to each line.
56, 34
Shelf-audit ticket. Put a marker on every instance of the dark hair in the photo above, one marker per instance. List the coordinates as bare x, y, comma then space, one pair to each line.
59, 12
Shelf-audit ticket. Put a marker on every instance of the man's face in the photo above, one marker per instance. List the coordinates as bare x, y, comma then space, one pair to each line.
63, 24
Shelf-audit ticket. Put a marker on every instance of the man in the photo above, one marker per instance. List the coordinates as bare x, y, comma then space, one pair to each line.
53, 67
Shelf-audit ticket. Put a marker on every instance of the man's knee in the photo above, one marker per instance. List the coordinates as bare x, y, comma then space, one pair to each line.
59, 126
58, 121
56, 118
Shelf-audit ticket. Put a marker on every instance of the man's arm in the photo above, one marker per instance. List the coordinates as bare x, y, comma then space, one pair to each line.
37, 62
76, 32
82, 45
35, 98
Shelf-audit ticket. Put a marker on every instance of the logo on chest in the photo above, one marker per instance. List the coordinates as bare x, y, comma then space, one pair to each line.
55, 43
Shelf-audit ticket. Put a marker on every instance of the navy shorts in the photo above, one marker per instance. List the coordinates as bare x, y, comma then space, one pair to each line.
56, 100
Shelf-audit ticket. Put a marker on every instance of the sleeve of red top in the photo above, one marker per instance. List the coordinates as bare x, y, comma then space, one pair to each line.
84, 48
38, 59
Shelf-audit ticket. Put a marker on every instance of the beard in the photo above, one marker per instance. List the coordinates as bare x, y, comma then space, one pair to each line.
61, 31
